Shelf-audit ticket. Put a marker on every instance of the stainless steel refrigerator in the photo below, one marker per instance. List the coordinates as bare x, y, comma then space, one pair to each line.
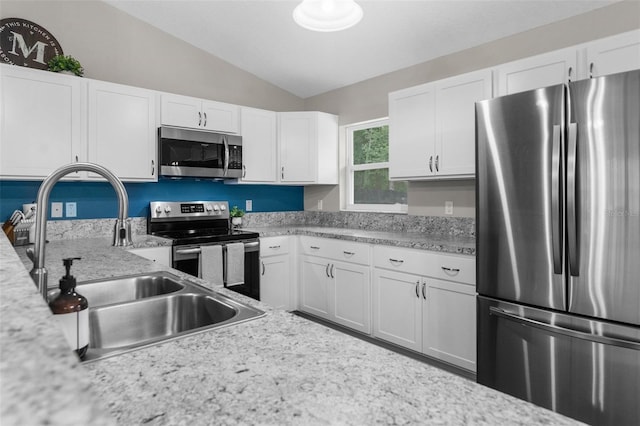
558, 247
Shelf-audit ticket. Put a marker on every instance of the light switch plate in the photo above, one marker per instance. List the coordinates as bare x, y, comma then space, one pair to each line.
71, 210
56, 209
249, 205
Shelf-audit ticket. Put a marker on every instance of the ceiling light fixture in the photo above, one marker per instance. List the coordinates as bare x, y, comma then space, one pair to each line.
327, 15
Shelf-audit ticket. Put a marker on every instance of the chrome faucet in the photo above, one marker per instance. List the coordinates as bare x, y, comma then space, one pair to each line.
122, 232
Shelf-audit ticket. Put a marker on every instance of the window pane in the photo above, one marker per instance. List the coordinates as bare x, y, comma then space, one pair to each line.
371, 145
373, 187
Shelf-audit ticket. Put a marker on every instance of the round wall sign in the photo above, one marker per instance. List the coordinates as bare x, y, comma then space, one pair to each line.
26, 43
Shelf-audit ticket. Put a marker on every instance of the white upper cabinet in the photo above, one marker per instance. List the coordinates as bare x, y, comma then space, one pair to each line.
544, 70
122, 130
41, 123
412, 133
194, 113
612, 55
432, 128
308, 148
455, 122
259, 145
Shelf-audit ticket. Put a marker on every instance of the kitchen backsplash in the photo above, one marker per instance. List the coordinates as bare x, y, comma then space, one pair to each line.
455, 226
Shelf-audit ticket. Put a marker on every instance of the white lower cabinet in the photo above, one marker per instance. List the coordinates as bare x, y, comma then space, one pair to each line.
160, 255
276, 272
397, 308
335, 282
422, 313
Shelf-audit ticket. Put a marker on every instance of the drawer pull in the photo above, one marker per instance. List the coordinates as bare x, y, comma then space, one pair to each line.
274, 247
348, 253
450, 271
396, 261
315, 247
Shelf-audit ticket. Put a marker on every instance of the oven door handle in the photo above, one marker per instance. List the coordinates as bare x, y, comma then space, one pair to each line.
253, 244
196, 250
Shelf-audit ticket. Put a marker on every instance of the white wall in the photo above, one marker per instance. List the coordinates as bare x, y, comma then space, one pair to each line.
113, 46
367, 100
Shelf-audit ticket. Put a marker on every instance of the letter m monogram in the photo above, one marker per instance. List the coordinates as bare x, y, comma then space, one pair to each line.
38, 47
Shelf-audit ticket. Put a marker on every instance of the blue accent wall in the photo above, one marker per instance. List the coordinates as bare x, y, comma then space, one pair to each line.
98, 199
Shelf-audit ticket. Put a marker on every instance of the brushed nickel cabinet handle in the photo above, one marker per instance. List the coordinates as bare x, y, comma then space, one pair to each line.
244, 171
315, 247
326, 270
348, 253
431, 164
199, 118
417, 289
205, 120
569, 73
398, 261
274, 247
437, 163
451, 271
424, 288
153, 168
263, 268
591, 70
331, 270
282, 173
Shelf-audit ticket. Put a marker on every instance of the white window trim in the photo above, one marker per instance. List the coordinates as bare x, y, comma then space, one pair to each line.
350, 168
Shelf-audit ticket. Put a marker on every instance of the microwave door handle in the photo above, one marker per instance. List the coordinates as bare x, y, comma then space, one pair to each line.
226, 155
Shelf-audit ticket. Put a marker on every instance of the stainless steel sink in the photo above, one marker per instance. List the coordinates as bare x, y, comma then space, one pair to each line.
126, 288
145, 310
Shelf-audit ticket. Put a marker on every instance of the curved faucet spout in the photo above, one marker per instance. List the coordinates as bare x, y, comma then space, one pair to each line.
122, 232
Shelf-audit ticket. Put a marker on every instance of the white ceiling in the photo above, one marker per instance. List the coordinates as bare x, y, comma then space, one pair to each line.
260, 36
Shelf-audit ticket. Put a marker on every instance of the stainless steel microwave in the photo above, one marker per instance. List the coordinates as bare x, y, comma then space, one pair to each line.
200, 154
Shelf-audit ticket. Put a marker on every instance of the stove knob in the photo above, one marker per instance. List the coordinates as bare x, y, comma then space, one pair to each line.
159, 209
222, 207
167, 209
215, 208
208, 207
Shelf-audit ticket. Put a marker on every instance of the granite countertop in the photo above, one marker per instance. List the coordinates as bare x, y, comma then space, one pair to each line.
415, 240
277, 369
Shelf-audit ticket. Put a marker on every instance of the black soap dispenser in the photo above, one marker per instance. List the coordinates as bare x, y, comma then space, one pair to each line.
71, 310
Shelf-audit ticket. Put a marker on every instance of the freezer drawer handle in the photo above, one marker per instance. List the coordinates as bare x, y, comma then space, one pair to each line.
631, 344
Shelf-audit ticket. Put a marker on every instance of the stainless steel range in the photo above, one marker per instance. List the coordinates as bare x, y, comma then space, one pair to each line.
206, 245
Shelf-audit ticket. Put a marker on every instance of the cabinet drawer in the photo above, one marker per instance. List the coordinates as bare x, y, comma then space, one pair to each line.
345, 251
455, 268
272, 246
418, 262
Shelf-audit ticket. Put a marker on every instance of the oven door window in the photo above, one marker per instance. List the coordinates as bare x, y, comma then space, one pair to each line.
192, 154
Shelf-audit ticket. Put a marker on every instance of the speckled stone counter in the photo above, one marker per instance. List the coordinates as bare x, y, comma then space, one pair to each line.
277, 369
417, 240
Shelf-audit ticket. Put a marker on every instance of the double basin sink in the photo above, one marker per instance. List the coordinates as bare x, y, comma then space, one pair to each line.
136, 311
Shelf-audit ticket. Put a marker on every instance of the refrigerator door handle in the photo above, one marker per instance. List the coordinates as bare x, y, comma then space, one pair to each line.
630, 344
572, 199
556, 201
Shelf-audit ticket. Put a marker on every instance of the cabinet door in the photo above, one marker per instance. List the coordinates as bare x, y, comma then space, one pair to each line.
314, 298
41, 124
397, 308
259, 146
450, 323
160, 255
614, 54
549, 69
274, 281
220, 117
350, 296
181, 111
455, 122
412, 132
297, 136
122, 130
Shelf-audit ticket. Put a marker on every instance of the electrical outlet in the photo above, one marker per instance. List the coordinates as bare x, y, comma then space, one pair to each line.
319, 204
56, 209
249, 205
448, 207
71, 210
